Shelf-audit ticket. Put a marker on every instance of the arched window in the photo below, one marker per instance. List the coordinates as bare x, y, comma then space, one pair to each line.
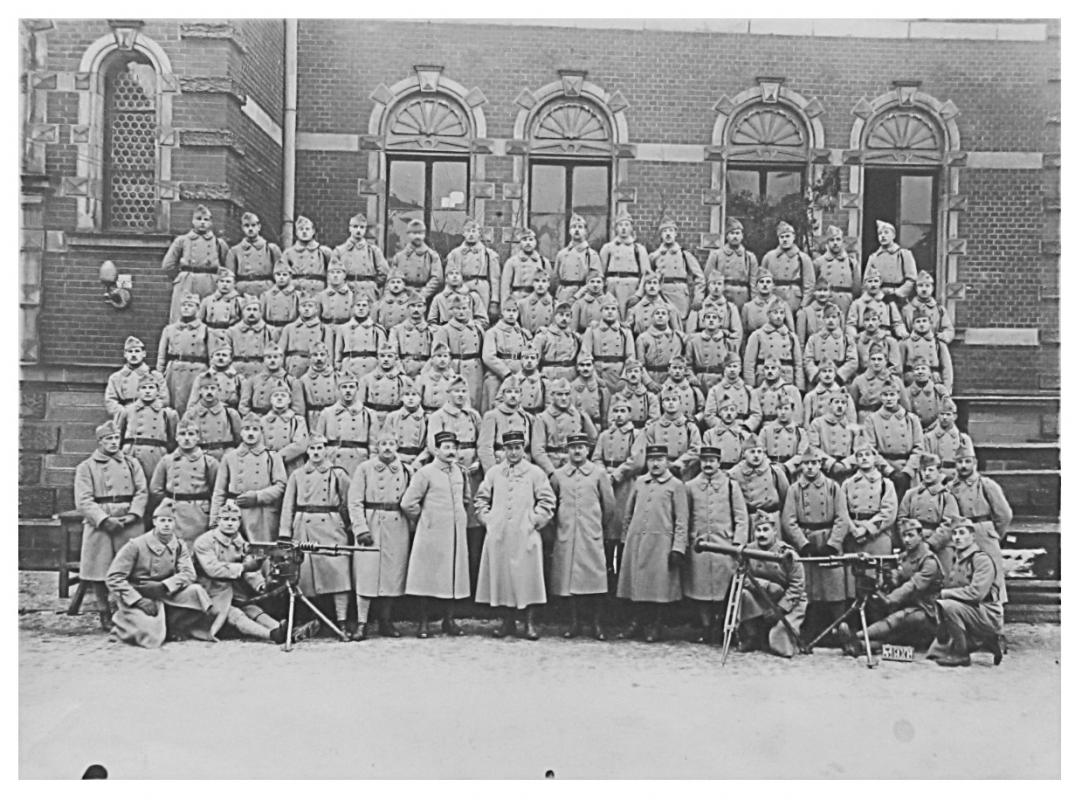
427, 144
570, 172
768, 157
130, 146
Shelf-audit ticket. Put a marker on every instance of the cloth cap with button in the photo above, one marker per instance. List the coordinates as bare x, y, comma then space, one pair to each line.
908, 524
810, 454
307, 297
251, 420
730, 358
733, 224
763, 274
317, 438
750, 443
106, 429
965, 450
471, 225
345, 377
147, 380
872, 272
924, 276
131, 343
833, 230
831, 310
415, 226
623, 216
229, 509
225, 272
249, 300
608, 300
526, 233
414, 299
560, 385
822, 283
948, 405
576, 219
668, 222
963, 523
456, 381
165, 509
207, 380
709, 451
762, 518
190, 297
881, 225
784, 227
929, 460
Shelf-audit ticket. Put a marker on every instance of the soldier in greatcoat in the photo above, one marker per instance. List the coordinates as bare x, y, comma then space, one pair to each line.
182, 352
921, 344
924, 300
839, 268
560, 419
537, 310
588, 393
899, 438
707, 347
301, 336
917, 581
454, 287
944, 439
716, 513
393, 305
895, 264
357, 342
761, 625
643, 405
574, 261
836, 435
315, 509
610, 342
586, 307
409, 428
147, 431
153, 580
221, 309
619, 450
252, 259
682, 279
783, 438
412, 338
516, 280
219, 426
232, 577
380, 391
933, 506
335, 301
249, 337
794, 274
501, 351
831, 343
969, 610
873, 337
736, 263
256, 391
585, 505
507, 415
818, 397
420, 265
677, 433
319, 386
464, 338
193, 261
732, 387
774, 340
480, 267
186, 477
111, 494
435, 501
557, 345
875, 300
981, 500
123, 385
285, 432
872, 506
655, 543
815, 522
727, 435
375, 495
280, 305
624, 262
435, 378
772, 388
867, 387
307, 258
348, 426
640, 316
730, 324
924, 397
255, 478
756, 312
514, 502
764, 484
366, 267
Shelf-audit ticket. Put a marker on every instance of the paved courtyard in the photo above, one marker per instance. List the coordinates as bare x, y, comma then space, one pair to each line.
478, 707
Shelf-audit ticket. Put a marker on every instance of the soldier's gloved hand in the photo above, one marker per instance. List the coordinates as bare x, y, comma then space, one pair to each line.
827, 550
809, 549
366, 540
251, 563
676, 559
156, 590
494, 310
128, 519
147, 606
246, 500
112, 526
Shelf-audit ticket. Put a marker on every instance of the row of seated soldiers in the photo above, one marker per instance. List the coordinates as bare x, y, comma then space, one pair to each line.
658, 522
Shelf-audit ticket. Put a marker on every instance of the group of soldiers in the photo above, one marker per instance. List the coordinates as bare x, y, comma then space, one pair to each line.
533, 429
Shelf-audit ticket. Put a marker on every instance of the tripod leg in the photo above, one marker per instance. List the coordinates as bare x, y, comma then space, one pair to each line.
834, 625
867, 642
758, 590
732, 614
289, 626
322, 616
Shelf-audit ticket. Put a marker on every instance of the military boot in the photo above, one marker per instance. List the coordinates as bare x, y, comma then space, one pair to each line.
507, 626
531, 628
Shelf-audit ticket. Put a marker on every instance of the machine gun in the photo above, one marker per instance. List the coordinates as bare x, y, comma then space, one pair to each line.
284, 558
871, 574
743, 554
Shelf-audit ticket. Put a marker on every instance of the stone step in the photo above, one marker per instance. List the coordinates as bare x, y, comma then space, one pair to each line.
1031, 492
1009, 418
1001, 455
85, 447
77, 399
88, 414
58, 477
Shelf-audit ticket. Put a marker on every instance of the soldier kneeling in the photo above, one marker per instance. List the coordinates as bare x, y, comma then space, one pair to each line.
153, 580
774, 626
232, 577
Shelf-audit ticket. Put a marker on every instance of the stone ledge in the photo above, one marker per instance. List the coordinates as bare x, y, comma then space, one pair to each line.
118, 241
1002, 337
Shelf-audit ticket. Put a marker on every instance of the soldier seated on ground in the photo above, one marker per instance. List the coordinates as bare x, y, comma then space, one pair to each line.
911, 615
763, 625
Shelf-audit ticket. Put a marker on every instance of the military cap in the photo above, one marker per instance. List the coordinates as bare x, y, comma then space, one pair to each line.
609, 300
165, 509
881, 225
727, 402
271, 350
679, 360
318, 347
761, 518
708, 309
657, 451
593, 272
709, 451
336, 264
396, 272
784, 227
584, 357
409, 387
872, 272
250, 300
786, 400
908, 524
457, 301
415, 225
730, 358
512, 382
563, 305
387, 347
924, 276
918, 361
440, 347
281, 389
200, 210
831, 310
470, 224
864, 444
131, 343
714, 277
206, 379
526, 233
105, 429
302, 219
870, 312
822, 283
510, 302
750, 443
811, 453
733, 224
651, 277
359, 219
251, 420
229, 509
317, 438
542, 275
222, 347
147, 378
225, 272
623, 216
948, 405
921, 312
560, 385
632, 363
452, 269
668, 222
877, 350
668, 390
929, 460
890, 388
619, 402
965, 450
188, 425
280, 267
513, 438
771, 360
345, 377
578, 440
458, 380
962, 522
190, 297
576, 219
833, 230
444, 436
762, 273
308, 297
826, 363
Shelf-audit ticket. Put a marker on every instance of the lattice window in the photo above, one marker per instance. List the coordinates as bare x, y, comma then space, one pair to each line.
429, 124
131, 149
768, 133
571, 128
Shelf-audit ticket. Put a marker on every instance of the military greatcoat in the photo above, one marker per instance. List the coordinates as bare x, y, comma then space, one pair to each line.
314, 510
657, 524
375, 495
438, 563
585, 505
717, 513
188, 480
107, 486
815, 511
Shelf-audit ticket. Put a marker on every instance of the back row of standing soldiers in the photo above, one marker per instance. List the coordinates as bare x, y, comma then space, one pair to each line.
632, 348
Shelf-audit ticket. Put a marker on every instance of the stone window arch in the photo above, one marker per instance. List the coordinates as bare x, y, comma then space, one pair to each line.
124, 135
428, 123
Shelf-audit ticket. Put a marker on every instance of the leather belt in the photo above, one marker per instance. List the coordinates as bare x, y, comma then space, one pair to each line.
947, 464
315, 509
145, 441
319, 406
895, 455
190, 359
218, 325
787, 282
217, 445
310, 276
382, 406
521, 288
610, 359
181, 497
787, 361
580, 282
674, 280
728, 464
613, 462
382, 507
115, 498
414, 283
359, 354
468, 357
414, 356
981, 518
869, 406
769, 417
472, 443
409, 450
816, 526
260, 410
505, 354
769, 508
200, 270
863, 516
841, 288
712, 369
348, 443
248, 359
335, 320
277, 323
567, 362
621, 274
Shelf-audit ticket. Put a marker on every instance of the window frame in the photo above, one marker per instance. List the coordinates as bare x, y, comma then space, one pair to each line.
569, 165
428, 160
868, 220
800, 168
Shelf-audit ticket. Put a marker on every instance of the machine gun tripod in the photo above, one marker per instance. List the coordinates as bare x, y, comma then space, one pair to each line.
743, 554
867, 586
285, 557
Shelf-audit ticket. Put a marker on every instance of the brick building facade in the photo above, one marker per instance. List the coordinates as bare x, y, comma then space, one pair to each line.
952, 126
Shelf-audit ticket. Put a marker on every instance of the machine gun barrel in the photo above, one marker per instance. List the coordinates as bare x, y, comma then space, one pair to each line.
851, 558
312, 547
740, 551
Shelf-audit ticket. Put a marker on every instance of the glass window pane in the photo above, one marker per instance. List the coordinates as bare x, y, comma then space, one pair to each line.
760, 214
916, 191
406, 186
551, 233
781, 185
445, 230
742, 185
547, 189
590, 198
449, 185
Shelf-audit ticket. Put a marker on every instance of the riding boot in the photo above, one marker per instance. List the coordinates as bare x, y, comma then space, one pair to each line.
105, 614
595, 628
386, 627
422, 627
705, 617
575, 628
450, 627
507, 625
531, 629
653, 632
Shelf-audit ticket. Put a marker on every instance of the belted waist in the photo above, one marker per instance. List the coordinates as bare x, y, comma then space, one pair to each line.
981, 518
414, 356
869, 406
505, 354
565, 362
816, 526
382, 406
779, 459
467, 445
145, 441
769, 508
840, 288
190, 359
381, 506
895, 455
311, 276
947, 464
712, 369
315, 509
277, 323
863, 516
190, 497
115, 498
409, 450
336, 320
610, 359
302, 353
218, 325
579, 282
728, 464
414, 283
787, 282
675, 280
217, 445
319, 406
468, 356
622, 273
359, 354
769, 417
204, 270
348, 443
521, 288
930, 526
248, 359
787, 361
260, 410
613, 462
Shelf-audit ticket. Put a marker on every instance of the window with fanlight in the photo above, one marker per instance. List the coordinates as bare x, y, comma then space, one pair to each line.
570, 172
427, 148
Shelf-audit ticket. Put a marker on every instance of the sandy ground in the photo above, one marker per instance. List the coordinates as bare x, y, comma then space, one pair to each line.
479, 707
